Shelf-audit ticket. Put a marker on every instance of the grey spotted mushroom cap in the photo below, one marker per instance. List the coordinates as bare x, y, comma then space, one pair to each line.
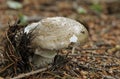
55, 33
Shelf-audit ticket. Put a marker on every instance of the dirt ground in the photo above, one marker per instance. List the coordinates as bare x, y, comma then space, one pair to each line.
99, 58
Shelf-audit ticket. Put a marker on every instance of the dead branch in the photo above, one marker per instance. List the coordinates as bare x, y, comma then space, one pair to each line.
30, 73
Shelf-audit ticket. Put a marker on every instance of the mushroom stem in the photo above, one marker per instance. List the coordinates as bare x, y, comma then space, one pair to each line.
42, 58
73, 49
40, 61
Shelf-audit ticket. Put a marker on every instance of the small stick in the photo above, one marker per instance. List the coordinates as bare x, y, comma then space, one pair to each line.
94, 48
30, 73
34, 18
3, 69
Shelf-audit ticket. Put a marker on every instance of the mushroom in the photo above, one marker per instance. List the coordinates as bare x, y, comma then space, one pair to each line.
52, 34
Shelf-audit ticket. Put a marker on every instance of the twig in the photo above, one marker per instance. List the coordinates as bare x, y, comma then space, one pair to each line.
53, 74
95, 55
108, 77
84, 49
94, 48
34, 18
30, 73
3, 69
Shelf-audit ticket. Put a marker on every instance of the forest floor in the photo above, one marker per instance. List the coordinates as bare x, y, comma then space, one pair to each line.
99, 58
